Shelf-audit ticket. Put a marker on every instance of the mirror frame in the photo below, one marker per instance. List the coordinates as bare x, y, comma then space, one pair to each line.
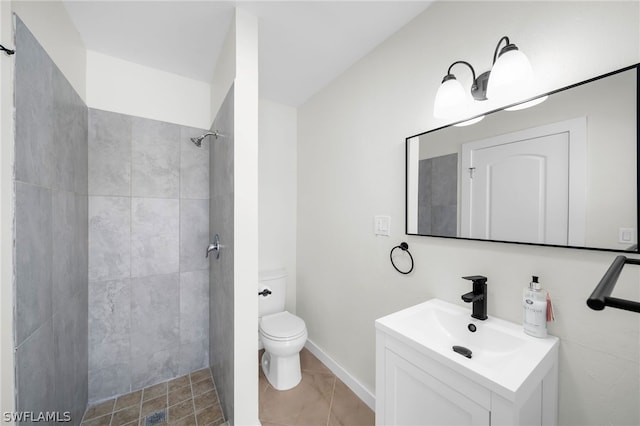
407, 139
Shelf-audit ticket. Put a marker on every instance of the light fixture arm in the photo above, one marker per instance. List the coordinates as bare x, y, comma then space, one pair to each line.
508, 47
473, 72
474, 86
479, 84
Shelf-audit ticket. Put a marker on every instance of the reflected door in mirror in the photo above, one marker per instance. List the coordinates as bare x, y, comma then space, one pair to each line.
517, 191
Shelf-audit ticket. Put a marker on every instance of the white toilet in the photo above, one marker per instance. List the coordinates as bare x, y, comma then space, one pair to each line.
282, 334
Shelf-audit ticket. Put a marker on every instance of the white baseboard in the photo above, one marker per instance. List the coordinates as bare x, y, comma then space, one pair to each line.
358, 388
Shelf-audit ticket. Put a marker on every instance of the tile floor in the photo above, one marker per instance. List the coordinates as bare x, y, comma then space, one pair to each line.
320, 399
189, 400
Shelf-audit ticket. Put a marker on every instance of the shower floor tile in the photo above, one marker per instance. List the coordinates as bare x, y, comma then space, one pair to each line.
189, 400
320, 399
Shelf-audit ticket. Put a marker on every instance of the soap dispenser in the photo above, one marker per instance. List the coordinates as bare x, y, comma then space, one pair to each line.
534, 303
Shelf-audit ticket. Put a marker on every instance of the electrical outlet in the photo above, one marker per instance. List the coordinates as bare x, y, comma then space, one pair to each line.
626, 235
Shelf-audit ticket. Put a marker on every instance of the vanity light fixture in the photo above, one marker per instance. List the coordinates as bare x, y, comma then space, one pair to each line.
510, 79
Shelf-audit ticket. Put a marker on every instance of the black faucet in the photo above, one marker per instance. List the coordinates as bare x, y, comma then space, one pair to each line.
478, 296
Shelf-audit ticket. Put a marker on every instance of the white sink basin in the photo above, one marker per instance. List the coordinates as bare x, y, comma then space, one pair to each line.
503, 357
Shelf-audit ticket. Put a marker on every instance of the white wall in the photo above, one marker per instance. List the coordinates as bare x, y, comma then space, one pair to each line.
225, 72
245, 219
111, 84
351, 167
277, 184
121, 86
7, 377
51, 25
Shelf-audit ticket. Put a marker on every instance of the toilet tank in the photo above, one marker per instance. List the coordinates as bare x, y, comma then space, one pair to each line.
275, 281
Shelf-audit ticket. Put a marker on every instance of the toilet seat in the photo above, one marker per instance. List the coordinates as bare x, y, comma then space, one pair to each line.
282, 326
281, 339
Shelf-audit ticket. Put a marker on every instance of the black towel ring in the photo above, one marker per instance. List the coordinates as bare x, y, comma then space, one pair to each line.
405, 248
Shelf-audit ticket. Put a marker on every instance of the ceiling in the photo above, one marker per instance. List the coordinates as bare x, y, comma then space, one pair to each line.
303, 45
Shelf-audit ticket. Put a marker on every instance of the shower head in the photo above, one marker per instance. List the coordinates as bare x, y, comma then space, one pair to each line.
198, 141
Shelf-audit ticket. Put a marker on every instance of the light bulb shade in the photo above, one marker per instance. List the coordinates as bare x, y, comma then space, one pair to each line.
528, 104
511, 77
469, 122
450, 99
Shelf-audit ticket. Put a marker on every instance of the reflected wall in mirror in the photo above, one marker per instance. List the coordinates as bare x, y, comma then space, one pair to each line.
561, 173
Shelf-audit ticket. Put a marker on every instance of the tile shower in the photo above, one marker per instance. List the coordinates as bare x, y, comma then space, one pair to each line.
112, 218
438, 196
148, 277
50, 235
221, 220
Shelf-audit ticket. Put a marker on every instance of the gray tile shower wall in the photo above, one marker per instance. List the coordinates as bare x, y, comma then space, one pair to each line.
221, 315
51, 236
438, 196
148, 230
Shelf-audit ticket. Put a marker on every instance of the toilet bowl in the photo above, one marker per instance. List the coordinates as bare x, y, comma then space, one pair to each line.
281, 333
283, 337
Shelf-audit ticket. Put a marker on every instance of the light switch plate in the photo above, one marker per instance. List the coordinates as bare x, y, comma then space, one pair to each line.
382, 225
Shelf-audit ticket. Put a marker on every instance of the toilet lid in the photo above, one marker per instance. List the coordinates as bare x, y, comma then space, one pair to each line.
282, 325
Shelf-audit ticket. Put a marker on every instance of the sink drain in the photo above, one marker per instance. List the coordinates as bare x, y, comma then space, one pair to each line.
155, 418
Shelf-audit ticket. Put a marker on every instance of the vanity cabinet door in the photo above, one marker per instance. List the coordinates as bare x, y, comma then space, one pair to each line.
414, 397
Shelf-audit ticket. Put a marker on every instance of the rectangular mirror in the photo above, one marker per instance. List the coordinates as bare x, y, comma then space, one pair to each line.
561, 173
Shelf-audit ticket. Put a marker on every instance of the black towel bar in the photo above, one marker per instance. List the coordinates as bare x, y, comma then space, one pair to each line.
601, 294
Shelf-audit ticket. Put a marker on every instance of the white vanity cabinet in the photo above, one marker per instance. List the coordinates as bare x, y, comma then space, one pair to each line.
421, 385
414, 397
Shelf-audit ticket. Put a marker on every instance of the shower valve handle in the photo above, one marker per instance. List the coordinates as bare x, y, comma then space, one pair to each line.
215, 247
264, 292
